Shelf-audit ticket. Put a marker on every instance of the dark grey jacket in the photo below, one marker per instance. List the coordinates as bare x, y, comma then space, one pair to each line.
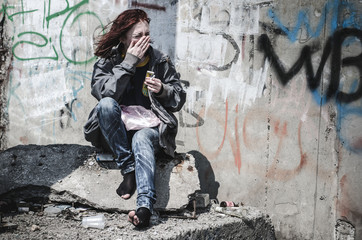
110, 79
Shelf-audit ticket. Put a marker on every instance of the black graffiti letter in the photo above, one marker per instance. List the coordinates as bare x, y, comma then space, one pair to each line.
284, 76
333, 47
356, 61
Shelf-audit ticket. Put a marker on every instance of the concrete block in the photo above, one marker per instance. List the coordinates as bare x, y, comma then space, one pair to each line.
70, 173
202, 200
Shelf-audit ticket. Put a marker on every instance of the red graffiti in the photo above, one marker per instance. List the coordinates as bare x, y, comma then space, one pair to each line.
346, 206
212, 155
357, 144
252, 141
24, 140
235, 146
234, 143
286, 174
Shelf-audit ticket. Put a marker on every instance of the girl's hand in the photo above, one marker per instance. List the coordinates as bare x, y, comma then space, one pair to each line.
139, 47
153, 84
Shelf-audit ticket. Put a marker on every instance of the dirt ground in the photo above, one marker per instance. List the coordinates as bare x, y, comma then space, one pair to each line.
32, 226
67, 224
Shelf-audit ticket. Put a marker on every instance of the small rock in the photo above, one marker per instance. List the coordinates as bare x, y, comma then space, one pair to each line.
63, 207
23, 209
52, 211
80, 209
35, 228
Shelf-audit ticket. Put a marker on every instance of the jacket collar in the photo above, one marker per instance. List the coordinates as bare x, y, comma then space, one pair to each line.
156, 55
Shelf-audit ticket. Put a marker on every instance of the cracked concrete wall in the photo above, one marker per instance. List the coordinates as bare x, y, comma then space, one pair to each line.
273, 113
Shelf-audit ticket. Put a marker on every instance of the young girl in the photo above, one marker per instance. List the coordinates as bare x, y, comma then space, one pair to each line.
118, 79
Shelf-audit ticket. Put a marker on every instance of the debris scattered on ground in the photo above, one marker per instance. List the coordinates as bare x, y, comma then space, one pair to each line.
62, 221
35, 228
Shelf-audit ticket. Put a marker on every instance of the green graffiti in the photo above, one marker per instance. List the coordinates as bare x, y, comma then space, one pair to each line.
70, 11
67, 9
44, 13
45, 40
61, 35
4, 10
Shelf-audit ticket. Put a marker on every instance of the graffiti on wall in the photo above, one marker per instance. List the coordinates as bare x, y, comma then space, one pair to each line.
333, 9
332, 48
40, 44
220, 25
340, 17
322, 87
324, 81
345, 31
281, 133
51, 47
56, 93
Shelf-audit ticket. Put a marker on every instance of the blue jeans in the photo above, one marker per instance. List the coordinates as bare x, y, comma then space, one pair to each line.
134, 150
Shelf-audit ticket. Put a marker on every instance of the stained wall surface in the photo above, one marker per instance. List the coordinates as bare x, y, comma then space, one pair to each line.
273, 113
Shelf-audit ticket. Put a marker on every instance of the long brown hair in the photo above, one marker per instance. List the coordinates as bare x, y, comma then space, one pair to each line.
119, 28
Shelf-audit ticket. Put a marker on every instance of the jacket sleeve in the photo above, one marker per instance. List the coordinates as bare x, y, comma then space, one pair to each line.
111, 80
173, 96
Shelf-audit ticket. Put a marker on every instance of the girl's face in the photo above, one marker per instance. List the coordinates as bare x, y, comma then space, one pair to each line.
138, 30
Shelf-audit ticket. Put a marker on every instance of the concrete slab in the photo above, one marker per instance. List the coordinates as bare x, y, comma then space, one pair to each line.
253, 225
70, 173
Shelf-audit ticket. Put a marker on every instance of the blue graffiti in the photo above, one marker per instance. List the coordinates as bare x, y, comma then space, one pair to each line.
335, 15
344, 111
12, 94
333, 7
77, 79
319, 98
70, 107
